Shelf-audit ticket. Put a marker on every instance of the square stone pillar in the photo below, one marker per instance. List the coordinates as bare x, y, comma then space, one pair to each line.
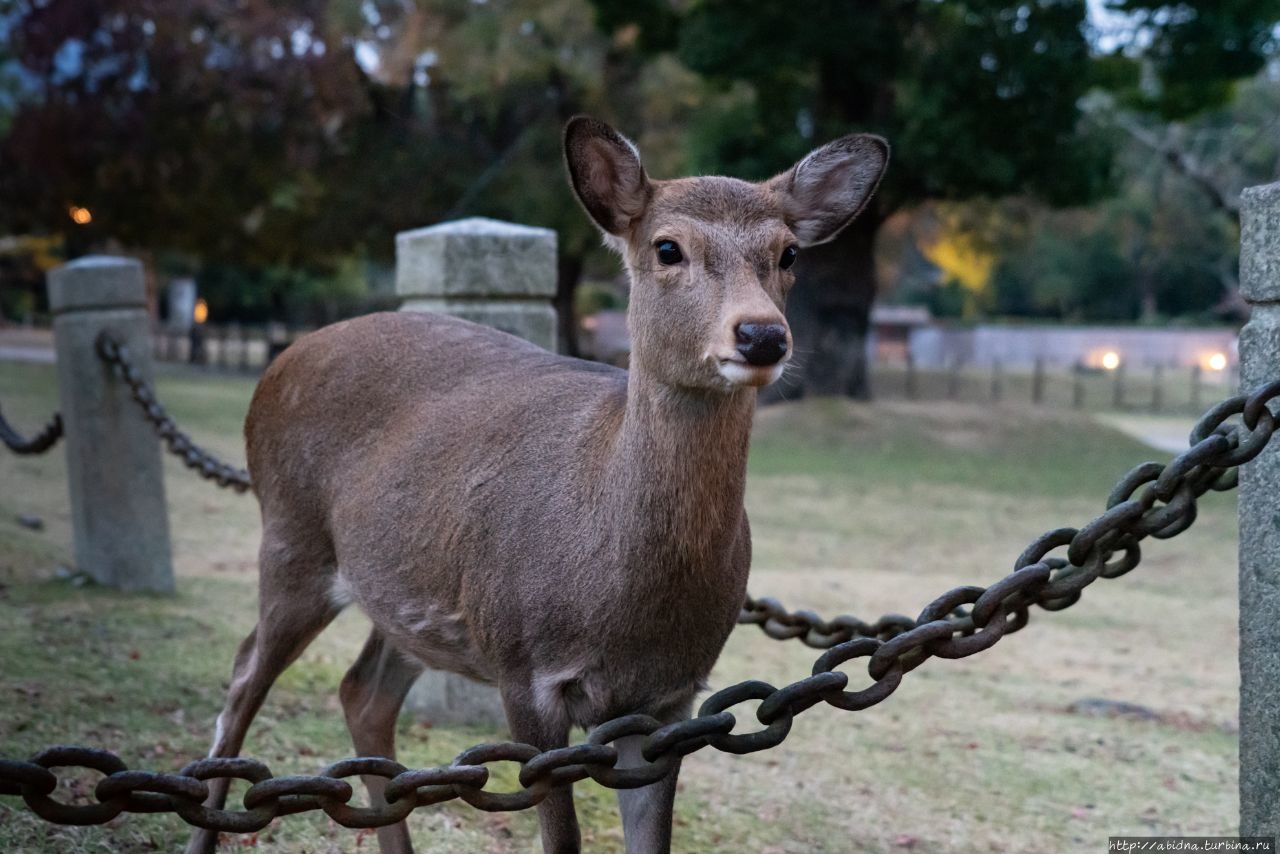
498, 274
1260, 525
119, 519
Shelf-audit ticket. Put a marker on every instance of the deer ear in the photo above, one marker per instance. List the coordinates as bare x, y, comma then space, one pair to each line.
605, 171
822, 193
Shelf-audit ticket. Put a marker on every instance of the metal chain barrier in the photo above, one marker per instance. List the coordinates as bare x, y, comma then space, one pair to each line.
179, 444
1152, 500
37, 444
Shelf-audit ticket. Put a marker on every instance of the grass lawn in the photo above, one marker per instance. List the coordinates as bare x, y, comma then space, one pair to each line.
855, 509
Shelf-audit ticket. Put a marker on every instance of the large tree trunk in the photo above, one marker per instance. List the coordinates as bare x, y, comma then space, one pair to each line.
830, 310
568, 275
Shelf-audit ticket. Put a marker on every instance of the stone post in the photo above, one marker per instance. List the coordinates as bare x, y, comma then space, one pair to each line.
1260, 525
502, 275
496, 273
119, 519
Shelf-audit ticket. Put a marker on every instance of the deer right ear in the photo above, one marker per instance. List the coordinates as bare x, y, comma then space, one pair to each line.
605, 171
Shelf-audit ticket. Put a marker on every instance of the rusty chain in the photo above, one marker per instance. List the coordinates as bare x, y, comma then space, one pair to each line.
203, 463
1152, 500
37, 444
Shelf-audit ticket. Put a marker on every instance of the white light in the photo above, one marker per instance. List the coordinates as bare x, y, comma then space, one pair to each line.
1218, 362
1111, 360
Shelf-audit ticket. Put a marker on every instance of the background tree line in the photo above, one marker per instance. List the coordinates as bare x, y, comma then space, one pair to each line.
1048, 165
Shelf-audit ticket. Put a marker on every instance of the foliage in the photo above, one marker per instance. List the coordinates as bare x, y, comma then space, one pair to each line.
264, 150
974, 96
1164, 246
273, 150
1185, 57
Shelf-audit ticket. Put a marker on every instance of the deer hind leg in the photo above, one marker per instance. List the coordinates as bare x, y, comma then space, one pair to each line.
545, 729
372, 692
647, 812
294, 605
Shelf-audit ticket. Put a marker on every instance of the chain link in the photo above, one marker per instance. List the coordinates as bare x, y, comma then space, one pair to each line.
203, 463
1151, 500
37, 444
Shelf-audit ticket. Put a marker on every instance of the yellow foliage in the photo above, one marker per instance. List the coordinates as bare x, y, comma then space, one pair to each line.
45, 251
955, 254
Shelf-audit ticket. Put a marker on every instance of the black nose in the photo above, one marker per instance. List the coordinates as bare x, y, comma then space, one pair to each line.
762, 343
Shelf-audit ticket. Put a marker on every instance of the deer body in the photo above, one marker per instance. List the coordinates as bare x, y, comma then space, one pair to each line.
573, 533
525, 565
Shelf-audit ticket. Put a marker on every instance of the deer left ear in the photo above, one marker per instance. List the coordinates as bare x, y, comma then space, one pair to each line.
823, 193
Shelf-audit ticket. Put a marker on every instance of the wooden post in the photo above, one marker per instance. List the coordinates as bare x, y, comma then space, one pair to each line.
953, 379
911, 376
997, 382
1260, 525
1077, 387
1117, 395
1157, 389
1196, 380
1037, 382
223, 337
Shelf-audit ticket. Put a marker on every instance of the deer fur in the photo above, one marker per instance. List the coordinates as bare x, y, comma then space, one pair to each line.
570, 532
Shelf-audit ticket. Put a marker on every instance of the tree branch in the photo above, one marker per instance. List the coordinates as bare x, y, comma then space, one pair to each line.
1185, 165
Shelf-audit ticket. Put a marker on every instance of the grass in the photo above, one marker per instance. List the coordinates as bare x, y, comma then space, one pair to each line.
855, 508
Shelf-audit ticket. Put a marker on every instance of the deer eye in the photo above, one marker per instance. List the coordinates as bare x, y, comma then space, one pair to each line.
788, 258
668, 252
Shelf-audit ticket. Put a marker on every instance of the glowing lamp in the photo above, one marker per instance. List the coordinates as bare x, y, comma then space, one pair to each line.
1217, 362
1111, 360
79, 215
201, 312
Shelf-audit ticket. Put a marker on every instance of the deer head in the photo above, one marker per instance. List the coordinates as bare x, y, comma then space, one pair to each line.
711, 258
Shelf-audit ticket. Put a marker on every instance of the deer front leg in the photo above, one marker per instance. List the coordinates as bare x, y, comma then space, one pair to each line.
545, 731
647, 812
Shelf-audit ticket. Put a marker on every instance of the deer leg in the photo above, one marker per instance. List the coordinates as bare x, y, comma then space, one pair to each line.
372, 692
294, 606
647, 811
531, 725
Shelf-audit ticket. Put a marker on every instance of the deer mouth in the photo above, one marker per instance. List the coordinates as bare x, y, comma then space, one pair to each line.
738, 372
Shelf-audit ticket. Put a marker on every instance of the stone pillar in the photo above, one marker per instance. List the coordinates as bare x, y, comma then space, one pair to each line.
496, 273
1260, 525
502, 275
118, 514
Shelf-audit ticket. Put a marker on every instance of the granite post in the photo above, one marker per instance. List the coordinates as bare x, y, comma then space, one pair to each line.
119, 520
1260, 525
502, 275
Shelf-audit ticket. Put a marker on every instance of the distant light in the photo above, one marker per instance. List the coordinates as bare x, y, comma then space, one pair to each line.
201, 312
79, 215
1111, 360
1218, 362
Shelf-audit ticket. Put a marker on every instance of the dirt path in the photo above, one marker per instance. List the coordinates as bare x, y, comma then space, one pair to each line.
1166, 433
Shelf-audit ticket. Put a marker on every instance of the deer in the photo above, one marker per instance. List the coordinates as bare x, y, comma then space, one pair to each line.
571, 532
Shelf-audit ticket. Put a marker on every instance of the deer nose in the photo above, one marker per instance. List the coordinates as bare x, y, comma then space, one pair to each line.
762, 344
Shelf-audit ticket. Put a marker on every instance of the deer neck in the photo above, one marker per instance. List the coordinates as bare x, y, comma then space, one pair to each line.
680, 461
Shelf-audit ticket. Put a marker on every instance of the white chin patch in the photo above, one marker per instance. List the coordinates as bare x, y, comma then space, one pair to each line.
739, 373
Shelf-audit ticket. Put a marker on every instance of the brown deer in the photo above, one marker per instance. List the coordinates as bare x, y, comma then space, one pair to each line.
570, 532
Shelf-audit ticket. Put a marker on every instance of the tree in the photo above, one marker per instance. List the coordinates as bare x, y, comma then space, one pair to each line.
281, 140
177, 126
977, 97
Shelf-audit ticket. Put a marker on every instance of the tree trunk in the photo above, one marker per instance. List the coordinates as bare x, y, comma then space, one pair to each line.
568, 274
830, 310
